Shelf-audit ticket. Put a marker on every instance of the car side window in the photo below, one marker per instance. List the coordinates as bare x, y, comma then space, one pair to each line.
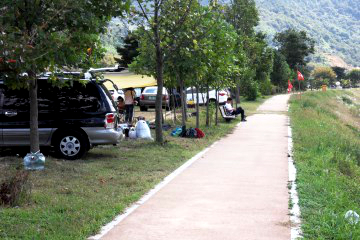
190, 91
16, 100
45, 96
79, 98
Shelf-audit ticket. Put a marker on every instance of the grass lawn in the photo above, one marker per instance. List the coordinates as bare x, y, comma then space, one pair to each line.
326, 135
73, 199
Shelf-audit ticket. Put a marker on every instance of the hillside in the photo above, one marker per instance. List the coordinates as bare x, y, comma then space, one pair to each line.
334, 24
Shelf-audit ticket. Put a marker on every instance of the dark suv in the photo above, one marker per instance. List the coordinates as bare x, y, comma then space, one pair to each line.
72, 118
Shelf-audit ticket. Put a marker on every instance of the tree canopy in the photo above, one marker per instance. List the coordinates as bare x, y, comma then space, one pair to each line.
295, 46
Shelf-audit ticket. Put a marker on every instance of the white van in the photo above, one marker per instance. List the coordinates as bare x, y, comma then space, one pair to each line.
222, 96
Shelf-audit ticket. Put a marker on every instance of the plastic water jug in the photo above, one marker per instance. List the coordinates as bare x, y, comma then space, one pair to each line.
143, 130
34, 161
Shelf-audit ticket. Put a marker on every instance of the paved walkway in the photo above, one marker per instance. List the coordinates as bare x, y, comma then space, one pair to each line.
236, 191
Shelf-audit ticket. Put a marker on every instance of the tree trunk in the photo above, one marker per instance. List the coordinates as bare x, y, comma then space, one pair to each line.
202, 96
174, 104
237, 94
207, 106
216, 107
34, 131
183, 102
192, 93
160, 85
197, 108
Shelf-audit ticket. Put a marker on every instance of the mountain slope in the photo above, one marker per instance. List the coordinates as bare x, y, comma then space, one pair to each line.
334, 24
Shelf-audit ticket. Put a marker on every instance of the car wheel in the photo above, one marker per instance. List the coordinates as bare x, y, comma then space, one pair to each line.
143, 108
212, 101
71, 145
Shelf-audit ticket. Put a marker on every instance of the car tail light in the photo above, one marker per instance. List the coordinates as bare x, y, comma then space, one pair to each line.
222, 94
142, 97
165, 97
109, 121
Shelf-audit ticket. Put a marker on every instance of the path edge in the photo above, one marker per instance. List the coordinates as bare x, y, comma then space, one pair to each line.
119, 218
295, 212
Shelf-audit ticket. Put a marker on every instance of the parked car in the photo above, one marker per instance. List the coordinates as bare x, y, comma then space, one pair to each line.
72, 118
148, 98
222, 96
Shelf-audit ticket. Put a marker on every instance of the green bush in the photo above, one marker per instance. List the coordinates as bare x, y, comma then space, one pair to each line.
250, 90
266, 88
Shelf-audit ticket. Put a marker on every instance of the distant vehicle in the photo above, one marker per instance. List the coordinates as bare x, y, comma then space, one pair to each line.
117, 94
71, 119
148, 99
137, 95
222, 96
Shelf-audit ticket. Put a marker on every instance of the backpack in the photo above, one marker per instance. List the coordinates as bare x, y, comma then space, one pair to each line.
200, 134
191, 133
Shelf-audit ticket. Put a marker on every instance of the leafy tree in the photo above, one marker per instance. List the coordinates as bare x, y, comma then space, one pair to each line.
263, 64
323, 76
295, 46
281, 71
340, 72
159, 20
354, 77
243, 15
129, 50
36, 36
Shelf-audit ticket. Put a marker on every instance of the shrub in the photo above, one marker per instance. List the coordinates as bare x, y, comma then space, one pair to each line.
266, 88
16, 189
250, 89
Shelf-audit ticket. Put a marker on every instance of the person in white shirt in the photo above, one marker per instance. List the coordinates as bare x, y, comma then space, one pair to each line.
229, 108
129, 104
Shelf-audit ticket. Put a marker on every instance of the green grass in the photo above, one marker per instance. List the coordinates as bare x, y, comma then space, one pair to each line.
73, 199
327, 155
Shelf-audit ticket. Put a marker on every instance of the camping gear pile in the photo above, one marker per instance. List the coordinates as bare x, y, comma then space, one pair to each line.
187, 133
140, 131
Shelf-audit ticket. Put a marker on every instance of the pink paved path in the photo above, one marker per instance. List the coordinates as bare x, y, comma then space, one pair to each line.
237, 190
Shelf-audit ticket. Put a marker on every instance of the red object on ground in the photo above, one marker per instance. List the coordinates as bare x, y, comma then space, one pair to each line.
11, 61
300, 76
200, 134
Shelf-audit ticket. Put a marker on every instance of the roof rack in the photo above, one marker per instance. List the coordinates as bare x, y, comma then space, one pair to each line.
116, 68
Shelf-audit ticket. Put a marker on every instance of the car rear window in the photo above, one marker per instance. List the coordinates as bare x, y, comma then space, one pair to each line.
150, 90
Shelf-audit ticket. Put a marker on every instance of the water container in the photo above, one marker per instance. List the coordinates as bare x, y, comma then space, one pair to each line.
132, 133
143, 130
34, 161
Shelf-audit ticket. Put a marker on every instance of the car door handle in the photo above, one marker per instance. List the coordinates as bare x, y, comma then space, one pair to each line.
10, 114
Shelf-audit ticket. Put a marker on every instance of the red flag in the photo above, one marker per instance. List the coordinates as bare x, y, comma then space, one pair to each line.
290, 86
300, 76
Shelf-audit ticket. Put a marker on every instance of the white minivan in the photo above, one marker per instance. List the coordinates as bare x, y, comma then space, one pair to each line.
222, 95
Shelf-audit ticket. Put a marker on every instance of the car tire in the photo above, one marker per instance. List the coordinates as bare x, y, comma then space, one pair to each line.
212, 101
71, 145
143, 108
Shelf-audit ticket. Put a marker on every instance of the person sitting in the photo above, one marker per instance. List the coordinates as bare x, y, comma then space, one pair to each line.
121, 105
229, 108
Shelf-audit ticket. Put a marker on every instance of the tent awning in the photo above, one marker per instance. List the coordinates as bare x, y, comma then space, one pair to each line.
126, 79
